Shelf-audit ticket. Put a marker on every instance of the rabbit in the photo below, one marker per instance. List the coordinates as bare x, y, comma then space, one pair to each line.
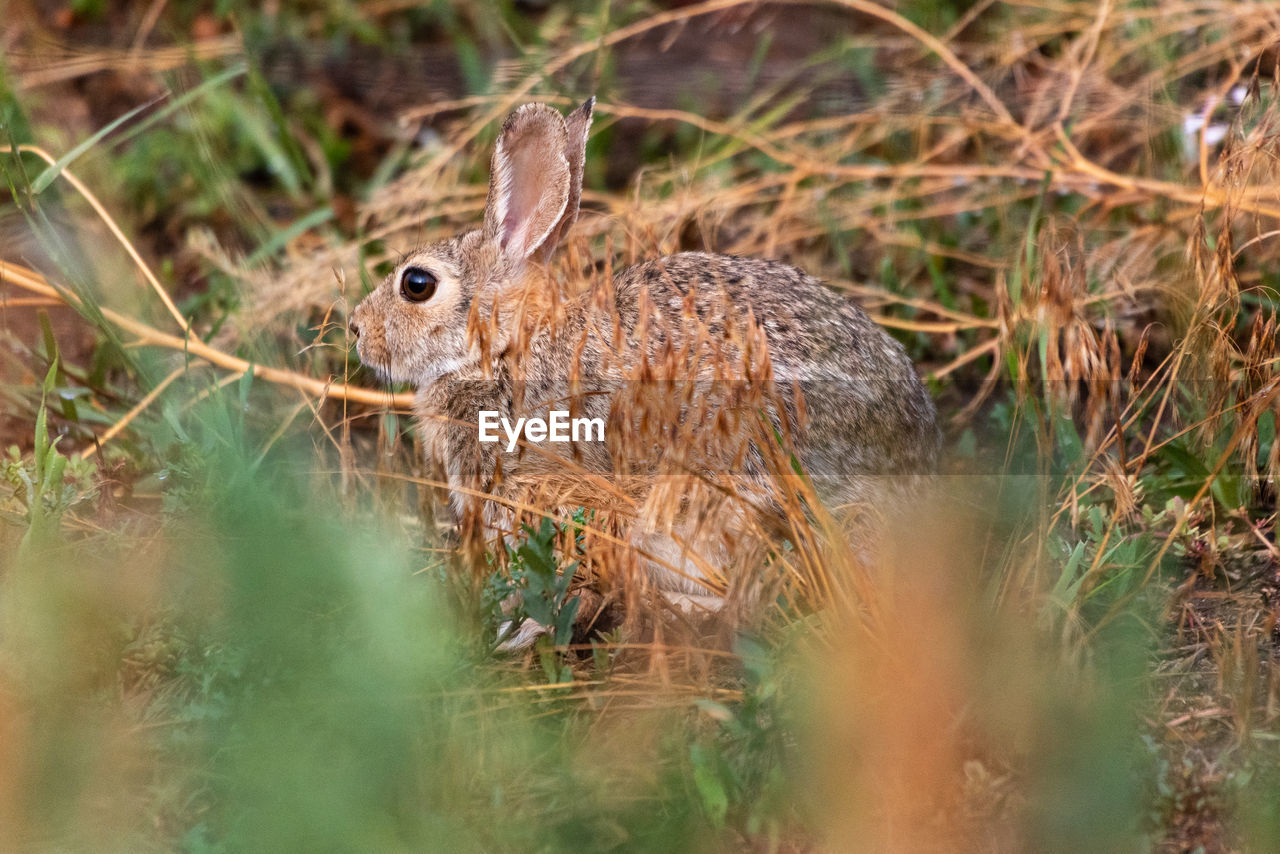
477, 325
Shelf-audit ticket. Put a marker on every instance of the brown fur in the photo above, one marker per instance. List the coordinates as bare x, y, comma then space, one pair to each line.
680, 355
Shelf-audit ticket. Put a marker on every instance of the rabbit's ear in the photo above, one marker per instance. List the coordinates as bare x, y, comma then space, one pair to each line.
529, 183
577, 123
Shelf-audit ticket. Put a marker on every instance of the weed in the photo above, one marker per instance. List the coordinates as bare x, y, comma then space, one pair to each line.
45, 483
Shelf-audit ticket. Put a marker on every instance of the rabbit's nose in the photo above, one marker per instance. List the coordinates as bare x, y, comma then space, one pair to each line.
355, 329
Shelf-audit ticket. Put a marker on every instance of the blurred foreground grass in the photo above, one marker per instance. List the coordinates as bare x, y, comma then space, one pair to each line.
257, 669
230, 623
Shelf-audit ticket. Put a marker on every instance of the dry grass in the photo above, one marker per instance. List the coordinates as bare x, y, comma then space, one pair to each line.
1059, 233
1068, 110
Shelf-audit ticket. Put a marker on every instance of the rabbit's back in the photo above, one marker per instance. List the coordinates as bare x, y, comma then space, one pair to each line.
867, 412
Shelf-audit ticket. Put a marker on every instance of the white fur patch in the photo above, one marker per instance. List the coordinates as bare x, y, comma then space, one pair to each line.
503, 178
525, 636
436, 370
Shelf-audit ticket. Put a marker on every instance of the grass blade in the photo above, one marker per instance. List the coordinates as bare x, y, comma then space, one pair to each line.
45, 178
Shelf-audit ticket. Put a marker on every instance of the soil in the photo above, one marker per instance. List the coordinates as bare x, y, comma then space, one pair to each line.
1219, 672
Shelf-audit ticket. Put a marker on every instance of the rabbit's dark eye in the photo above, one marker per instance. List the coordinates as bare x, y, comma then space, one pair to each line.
417, 284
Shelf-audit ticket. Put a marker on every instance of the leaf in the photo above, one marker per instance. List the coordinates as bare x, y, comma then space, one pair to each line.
1064, 592
170, 415
564, 621
285, 235
50, 342
1069, 441
65, 396
42, 433
537, 554
755, 657
539, 609
245, 384
711, 791
179, 102
391, 426
1097, 522
556, 672
299, 171
1179, 456
45, 178
57, 464
1230, 490
50, 377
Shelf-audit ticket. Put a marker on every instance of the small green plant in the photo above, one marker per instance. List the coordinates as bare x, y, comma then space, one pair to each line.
45, 484
739, 775
543, 586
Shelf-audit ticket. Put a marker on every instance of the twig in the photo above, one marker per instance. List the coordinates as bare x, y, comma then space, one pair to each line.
150, 337
982, 349
74, 66
115, 231
140, 407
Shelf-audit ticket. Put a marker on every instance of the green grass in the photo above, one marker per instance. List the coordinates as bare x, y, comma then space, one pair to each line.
256, 668
232, 627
